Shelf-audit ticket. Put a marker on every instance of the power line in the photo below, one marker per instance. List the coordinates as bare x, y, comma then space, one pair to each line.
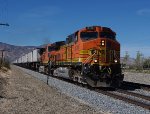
4, 24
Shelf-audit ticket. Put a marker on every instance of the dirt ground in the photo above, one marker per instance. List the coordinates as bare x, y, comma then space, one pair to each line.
20, 93
141, 78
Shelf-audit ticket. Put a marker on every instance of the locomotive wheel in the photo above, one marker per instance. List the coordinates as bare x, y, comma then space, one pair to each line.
71, 73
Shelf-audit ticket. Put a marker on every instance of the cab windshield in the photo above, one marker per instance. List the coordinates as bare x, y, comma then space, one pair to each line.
51, 48
107, 35
88, 35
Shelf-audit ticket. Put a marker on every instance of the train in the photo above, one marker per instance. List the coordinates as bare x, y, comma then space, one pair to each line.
89, 56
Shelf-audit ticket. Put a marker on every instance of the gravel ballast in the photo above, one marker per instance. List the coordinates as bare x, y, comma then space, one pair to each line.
24, 94
93, 99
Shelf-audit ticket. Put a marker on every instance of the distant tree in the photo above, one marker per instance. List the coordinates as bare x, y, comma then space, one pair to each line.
146, 63
139, 61
126, 57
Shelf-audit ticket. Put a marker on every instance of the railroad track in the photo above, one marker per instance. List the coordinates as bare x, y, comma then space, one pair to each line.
118, 93
145, 88
125, 98
134, 94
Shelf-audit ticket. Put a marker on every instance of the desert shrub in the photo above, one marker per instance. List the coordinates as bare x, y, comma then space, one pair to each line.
4, 63
146, 63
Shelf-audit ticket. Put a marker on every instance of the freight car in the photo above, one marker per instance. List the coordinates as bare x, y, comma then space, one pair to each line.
90, 56
30, 60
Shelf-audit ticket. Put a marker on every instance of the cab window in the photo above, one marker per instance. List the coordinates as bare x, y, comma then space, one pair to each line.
107, 35
88, 35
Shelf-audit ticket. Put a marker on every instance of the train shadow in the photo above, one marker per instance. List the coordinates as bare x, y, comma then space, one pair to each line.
131, 86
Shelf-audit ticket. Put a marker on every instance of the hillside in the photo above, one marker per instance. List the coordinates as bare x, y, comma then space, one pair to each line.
12, 52
129, 62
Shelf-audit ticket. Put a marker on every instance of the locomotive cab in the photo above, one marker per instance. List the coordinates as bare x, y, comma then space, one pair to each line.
101, 65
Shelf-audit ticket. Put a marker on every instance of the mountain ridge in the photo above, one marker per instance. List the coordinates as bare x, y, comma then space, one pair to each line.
13, 52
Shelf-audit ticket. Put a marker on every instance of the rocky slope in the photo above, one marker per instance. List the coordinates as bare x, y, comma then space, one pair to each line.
12, 52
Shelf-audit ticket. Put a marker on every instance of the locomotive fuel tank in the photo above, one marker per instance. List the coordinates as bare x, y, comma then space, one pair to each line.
62, 72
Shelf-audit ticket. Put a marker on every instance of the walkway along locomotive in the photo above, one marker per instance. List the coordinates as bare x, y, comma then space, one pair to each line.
89, 56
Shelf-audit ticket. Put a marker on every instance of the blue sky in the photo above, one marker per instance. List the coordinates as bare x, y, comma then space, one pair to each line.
34, 22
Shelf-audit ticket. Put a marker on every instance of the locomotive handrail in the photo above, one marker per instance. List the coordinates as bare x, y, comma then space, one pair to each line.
116, 55
89, 58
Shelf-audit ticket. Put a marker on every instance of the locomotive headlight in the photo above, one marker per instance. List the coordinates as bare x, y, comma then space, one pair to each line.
102, 42
115, 61
95, 61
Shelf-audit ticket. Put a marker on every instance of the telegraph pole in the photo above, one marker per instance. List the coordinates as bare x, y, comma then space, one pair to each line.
2, 51
2, 59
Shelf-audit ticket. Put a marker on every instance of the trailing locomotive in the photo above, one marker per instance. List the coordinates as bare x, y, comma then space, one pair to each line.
89, 56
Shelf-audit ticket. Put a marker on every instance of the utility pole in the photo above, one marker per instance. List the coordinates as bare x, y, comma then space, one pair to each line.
2, 59
2, 51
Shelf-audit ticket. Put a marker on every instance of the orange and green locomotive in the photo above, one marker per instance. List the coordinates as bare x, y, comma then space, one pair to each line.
89, 56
